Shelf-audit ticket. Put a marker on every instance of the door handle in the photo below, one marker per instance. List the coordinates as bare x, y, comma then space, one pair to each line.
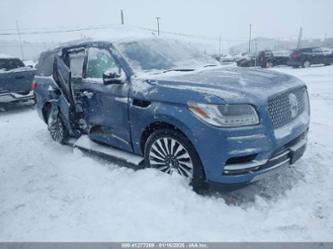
19, 77
88, 94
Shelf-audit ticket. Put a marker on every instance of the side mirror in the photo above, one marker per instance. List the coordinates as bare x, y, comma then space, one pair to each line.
114, 76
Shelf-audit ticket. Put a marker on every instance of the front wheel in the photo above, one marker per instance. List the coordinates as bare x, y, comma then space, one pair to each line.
171, 152
56, 128
306, 64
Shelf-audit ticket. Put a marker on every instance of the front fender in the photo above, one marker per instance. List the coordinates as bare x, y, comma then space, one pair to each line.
171, 114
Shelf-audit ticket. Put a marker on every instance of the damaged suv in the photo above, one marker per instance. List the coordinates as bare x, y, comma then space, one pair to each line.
160, 103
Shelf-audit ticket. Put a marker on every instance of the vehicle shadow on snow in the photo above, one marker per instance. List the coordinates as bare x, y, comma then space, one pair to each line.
12, 108
269, 189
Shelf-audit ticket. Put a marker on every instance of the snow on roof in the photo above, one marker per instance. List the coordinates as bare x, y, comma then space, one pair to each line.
6, 56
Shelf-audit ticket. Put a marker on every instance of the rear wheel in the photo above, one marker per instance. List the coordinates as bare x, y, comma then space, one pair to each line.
56, 128
306, 64
269, 64
171, 152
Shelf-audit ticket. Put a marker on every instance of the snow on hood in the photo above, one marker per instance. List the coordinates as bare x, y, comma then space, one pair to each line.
229, 83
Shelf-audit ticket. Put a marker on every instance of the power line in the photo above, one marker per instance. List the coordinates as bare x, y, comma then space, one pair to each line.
101, 27
53, 31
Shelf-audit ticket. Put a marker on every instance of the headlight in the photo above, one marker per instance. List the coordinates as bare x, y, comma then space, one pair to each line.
225, 115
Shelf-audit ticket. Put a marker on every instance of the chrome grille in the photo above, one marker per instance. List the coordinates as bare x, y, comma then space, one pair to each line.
280, 107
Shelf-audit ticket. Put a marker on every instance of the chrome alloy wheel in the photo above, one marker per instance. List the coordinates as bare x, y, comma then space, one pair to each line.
170, 156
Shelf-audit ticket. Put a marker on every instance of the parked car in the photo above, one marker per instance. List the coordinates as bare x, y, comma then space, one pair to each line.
162, 104
224, 59
305, 57
281, 57
246, 60
15, 80
264, 59
269, 58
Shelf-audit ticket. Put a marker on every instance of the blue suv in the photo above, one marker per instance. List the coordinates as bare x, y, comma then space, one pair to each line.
160, 103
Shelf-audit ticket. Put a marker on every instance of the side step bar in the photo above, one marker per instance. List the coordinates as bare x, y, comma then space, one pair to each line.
85, 143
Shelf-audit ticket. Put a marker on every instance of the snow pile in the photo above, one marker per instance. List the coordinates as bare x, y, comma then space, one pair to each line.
50, 192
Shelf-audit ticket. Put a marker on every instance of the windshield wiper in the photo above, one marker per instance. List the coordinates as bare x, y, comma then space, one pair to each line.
179, 70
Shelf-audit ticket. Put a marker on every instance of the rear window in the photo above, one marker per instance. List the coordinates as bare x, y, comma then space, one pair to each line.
10, 64
45, 64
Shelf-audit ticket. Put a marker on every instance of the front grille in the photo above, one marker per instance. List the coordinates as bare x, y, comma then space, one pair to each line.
282, 111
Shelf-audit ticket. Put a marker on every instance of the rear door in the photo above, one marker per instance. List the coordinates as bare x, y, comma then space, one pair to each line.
68, 73
328, 55
317, 56
63, 77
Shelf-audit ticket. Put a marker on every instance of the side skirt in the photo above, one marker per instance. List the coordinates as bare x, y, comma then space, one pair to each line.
85, 143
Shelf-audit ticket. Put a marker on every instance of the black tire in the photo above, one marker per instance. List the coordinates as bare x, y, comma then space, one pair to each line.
295, 66
57, 128
175, 154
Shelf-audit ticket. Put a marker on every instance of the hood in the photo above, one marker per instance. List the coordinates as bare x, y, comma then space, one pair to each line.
229, 83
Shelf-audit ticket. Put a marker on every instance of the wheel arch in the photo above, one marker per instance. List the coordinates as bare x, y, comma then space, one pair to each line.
156, 125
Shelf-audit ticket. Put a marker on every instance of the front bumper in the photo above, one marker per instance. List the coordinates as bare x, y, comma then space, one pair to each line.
286, 155
9, 97
244, 155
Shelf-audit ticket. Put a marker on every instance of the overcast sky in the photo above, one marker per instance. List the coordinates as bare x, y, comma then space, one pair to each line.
230, 19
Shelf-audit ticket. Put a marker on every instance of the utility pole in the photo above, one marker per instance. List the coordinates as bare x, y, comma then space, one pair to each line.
300, 37
250, 34
20, 40
122, 17
158, 25
220, 46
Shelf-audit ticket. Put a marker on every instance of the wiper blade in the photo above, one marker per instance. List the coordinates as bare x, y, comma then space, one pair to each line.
179, 70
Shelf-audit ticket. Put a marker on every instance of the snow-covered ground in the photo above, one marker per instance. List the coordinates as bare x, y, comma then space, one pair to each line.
50, 192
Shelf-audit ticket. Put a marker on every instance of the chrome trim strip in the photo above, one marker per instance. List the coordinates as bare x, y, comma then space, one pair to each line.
298, 145
248, 137
279, 156
270, 171
240, 166
277, 165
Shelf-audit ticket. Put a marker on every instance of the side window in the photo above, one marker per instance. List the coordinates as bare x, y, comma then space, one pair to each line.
45, 64
76, 62
16, 63
10, 64
99, 61
4, 65
327, 51
316, 50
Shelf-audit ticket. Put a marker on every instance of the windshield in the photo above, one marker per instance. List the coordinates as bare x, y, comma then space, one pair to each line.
10, 64
163, 55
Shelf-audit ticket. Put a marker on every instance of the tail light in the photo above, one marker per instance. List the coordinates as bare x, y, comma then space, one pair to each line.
296, 55
34, 85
